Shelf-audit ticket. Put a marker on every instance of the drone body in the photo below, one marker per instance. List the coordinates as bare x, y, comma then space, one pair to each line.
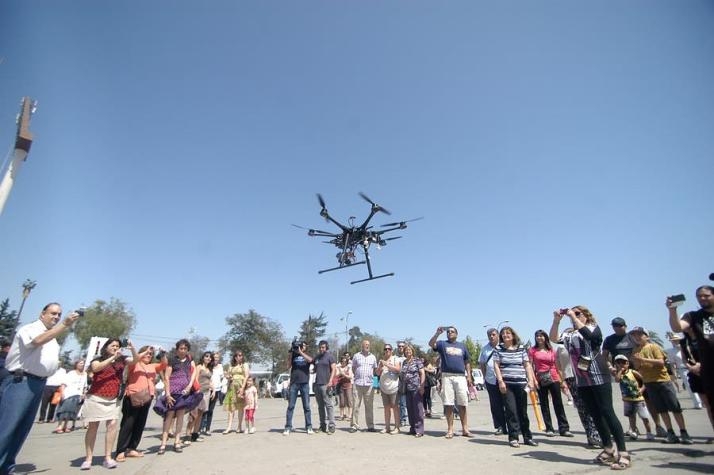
351, 238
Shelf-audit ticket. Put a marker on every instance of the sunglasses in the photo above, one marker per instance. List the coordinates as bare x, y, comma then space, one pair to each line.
577, 314
387, 349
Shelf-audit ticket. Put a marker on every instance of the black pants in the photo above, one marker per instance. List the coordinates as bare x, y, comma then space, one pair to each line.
132, 425
498, 411
516, 402
208, 415
598, 401
426, 399
47, 410
554, 391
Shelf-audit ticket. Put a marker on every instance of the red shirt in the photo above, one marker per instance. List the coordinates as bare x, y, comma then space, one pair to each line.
106, 382
544, 361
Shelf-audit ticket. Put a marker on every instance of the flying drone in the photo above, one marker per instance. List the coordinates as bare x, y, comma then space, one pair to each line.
352, 239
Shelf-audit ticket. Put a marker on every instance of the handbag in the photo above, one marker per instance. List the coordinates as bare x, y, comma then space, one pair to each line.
545, 378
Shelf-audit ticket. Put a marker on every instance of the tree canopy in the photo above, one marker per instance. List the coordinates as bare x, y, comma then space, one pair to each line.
313, 329
8, 320
260, 338
474, 348
113, 319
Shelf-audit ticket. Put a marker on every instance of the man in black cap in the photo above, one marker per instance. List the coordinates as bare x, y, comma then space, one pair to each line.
619, 343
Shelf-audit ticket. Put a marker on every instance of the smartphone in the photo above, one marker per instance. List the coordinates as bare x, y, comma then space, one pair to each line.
677, 300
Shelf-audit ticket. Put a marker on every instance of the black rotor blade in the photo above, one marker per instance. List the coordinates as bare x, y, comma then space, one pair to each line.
402, 222
366, 198
392, 238
321, 200
300, 227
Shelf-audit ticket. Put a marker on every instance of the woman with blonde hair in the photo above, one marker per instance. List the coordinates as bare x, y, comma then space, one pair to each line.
593, 381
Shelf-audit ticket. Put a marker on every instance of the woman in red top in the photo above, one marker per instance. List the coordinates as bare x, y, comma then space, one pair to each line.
140, 391
548, 381
102, 401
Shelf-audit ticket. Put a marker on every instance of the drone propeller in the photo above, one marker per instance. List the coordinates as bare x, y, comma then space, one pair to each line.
323, 211
392, 238
379, 208
402, 222
300, 227
321, 200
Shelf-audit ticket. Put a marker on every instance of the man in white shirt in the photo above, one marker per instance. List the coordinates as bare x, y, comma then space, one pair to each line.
363, 365
33, 357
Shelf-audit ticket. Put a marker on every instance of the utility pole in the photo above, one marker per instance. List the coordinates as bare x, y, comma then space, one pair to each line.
23, 142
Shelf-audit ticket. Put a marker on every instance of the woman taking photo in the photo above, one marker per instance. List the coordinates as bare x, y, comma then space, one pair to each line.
412, 372
73, 387
140, 391
344, 375
178, 398
513, 373
205, 375
237, 376
592, 378
102, 403
544, 361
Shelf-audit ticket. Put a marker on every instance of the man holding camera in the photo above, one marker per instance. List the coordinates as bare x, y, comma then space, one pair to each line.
33, 357
299, 365
455, 372
325, 371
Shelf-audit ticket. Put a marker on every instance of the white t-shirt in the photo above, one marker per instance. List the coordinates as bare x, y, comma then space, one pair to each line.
216, 377
41, 360
74, 384
57, 377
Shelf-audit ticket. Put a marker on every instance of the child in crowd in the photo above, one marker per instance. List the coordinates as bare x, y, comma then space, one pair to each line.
632, 388
251, 403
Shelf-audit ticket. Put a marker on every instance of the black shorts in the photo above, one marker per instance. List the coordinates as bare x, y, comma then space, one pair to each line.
663, 397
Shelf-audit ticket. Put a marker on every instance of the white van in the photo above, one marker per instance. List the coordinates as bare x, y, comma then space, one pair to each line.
282, 383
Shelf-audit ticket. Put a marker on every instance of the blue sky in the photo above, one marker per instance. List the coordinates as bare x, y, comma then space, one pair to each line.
560, 153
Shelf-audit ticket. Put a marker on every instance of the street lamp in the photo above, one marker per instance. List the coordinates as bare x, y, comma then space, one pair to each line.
498, 327
27, 287
347, 323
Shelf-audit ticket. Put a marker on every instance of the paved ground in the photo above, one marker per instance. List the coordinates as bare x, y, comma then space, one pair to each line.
268, 451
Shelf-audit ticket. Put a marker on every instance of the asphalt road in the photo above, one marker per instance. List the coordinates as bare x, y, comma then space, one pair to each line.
268, 451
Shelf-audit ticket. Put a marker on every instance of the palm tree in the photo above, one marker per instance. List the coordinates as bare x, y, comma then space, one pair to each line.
655, 338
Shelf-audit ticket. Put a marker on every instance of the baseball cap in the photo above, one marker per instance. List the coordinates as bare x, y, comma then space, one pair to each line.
639, 330
621, 358
618, 322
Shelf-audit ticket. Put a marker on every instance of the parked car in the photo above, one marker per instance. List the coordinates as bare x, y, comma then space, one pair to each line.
282, 383
478, 379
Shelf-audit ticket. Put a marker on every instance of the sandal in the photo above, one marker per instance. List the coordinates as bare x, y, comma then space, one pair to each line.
623, 463
178, 448
162, 450
605, 458
58, 431
449, 435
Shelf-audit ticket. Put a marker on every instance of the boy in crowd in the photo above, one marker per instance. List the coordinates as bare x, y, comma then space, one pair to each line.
650, 360
632, 387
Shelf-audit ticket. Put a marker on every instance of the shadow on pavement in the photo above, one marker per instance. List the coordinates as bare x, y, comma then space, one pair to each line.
554, 457
693, 467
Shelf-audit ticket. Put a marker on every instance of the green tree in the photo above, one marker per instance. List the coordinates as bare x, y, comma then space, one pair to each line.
9, 320
354, 345
261, 339
474, 348
113, 319
312, 330
655, 338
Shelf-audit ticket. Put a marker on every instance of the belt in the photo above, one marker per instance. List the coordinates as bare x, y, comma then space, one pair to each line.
18, 373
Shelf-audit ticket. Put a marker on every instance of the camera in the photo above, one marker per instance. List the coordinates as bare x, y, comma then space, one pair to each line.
80, 311
295, 345
677, 300
563, 311
124, 342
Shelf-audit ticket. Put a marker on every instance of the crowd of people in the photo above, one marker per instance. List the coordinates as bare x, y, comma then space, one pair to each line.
572, 362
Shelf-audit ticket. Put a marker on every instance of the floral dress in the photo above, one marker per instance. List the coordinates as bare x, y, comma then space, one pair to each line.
234, 402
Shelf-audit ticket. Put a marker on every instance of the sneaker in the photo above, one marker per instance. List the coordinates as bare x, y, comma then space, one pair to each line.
684, 437
550, 433
650, 436
395, 431
286, 432
530, 442
499, 431
514, 444
384, 431
632, 434
251, 430
660, 432
331, 430
567, 433
353, 429
671, 438
310, 431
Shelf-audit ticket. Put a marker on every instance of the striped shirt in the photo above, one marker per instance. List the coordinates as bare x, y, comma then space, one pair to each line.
512, 364
363, 368
586, 342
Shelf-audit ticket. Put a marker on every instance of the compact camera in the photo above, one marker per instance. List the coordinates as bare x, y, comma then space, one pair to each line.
677, 300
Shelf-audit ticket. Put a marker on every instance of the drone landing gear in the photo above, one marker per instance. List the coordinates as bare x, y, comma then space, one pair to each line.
373, 278
341, 267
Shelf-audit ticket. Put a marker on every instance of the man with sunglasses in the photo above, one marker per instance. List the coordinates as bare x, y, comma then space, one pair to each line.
619, 343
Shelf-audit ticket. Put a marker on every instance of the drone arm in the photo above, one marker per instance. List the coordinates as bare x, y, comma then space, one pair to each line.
382, 231
371, 214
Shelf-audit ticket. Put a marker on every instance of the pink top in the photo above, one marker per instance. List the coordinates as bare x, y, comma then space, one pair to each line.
142, 376
251, 397
544, 360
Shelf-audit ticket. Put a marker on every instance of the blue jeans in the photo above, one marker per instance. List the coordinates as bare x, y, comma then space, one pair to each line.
403, 408
304, 390
19, 400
